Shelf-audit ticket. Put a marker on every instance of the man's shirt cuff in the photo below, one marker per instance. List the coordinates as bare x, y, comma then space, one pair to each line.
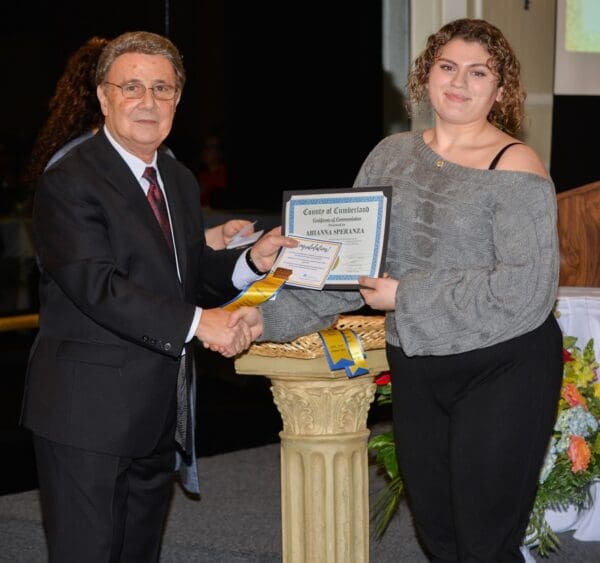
195, 322
242, 274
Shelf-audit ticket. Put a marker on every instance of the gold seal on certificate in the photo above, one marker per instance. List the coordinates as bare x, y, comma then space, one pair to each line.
356, 218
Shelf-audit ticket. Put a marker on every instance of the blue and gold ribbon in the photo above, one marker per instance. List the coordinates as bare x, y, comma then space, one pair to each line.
336, 349
260, 291
359, 365
344, 350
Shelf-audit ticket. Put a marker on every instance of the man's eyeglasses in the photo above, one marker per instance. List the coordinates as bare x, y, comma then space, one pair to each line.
136, 90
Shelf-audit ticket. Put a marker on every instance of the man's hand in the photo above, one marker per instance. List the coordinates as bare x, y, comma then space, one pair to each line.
215, 332
379, 293
253, 318
265, 249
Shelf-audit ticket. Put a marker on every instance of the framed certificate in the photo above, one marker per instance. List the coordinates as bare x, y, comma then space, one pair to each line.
358, 218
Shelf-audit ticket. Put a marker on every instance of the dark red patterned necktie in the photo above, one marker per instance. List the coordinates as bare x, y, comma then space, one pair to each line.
157, 203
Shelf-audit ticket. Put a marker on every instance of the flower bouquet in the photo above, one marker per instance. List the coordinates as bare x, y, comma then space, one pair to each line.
572, 461
573, 458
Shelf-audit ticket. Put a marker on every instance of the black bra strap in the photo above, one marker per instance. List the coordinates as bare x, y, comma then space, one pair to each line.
497, 158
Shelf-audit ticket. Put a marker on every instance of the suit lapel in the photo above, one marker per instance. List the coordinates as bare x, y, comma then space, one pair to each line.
114, 169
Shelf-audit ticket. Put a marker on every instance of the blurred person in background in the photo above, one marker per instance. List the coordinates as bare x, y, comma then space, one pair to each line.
212, 175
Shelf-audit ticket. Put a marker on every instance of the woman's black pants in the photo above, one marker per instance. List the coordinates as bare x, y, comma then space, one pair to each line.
471, 433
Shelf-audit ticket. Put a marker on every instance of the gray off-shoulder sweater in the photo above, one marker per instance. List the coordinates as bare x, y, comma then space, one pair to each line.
475, 251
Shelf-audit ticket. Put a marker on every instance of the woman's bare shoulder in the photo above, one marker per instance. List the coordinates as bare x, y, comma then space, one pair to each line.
522, 158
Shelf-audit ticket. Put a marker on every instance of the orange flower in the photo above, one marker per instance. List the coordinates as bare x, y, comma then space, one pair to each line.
571, 394
579, 454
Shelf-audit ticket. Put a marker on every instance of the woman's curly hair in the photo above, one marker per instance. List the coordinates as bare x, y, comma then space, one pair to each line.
507, 114
74, 108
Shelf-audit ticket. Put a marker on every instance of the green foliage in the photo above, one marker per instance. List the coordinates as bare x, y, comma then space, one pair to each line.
569, 342
386, 505
596, 447
383, 446
384, 394
540, 533
385, 449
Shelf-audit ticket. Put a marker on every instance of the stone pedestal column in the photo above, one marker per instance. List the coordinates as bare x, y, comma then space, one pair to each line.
324, 473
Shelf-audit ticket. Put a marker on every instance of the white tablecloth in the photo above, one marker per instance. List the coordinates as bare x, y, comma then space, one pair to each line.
579, 309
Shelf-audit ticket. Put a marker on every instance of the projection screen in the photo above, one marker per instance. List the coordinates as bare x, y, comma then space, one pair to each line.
577, 64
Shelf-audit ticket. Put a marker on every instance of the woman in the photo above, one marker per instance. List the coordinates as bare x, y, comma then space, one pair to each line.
75, 116
74, 109
472, 273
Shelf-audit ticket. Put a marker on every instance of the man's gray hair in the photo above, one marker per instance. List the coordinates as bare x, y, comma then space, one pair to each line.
140, 42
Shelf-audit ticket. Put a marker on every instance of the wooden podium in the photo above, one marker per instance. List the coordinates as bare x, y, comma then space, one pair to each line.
579, 236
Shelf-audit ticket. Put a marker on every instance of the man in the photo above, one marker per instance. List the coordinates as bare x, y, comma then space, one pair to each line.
119, 233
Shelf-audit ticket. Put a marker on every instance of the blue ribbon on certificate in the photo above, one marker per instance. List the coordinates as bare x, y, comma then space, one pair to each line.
344, 350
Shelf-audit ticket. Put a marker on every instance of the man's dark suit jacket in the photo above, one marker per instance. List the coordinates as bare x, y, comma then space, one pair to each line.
113, 314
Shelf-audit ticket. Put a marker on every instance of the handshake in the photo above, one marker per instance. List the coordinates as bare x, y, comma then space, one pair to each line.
229, 333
